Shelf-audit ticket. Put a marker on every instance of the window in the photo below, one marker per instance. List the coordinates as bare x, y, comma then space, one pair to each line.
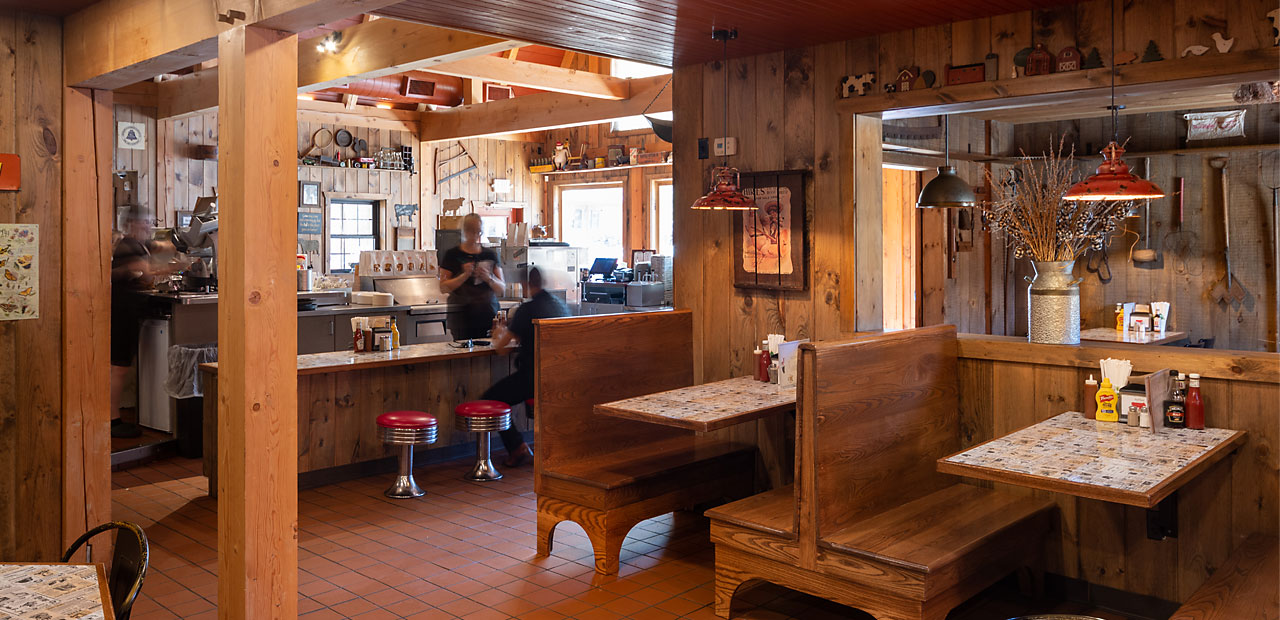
591, 217
353, 228
628, 69
662, 206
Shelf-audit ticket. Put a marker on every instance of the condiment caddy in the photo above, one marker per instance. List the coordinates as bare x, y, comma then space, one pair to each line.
370, 334
1162, 399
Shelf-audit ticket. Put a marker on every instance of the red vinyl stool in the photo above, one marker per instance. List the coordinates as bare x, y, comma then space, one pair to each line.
406, 429
483, 417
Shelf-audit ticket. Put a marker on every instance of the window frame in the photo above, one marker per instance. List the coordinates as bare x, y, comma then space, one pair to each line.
376, 234
558, 208
655, 216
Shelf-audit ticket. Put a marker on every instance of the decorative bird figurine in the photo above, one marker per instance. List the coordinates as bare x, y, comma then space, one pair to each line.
1224, 45
1194, 50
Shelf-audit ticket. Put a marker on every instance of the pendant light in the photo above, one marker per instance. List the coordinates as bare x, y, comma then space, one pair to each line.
724, 194
1113, 181
947, 190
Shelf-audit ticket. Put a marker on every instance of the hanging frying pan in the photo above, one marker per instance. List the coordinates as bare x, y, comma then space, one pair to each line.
343, 139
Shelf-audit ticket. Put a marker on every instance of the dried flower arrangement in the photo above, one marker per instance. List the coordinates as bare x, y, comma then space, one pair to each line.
1036, 220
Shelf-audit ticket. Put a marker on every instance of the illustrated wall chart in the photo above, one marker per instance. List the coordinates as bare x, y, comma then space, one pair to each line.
19, 271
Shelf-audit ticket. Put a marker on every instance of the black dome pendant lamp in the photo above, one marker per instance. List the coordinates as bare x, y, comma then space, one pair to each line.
947, 190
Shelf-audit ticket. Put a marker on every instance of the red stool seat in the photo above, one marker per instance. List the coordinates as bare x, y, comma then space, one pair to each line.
406, 419
483, 409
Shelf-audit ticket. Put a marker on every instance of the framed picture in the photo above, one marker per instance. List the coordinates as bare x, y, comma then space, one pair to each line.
308, 194
769, 244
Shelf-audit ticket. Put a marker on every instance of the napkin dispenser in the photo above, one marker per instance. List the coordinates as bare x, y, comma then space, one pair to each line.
645, 293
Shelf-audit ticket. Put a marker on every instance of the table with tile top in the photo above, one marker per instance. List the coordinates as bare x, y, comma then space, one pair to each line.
706, 407
54, 591
1107, 461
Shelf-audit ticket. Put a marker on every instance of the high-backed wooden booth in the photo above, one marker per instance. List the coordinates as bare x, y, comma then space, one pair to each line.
605, 473
870, 523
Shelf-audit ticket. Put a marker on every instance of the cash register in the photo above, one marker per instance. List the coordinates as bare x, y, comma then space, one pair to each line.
606, 284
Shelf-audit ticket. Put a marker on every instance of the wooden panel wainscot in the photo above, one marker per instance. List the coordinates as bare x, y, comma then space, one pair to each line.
1007, 384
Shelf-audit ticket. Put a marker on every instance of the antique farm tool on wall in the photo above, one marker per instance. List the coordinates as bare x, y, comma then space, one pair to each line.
1228, 286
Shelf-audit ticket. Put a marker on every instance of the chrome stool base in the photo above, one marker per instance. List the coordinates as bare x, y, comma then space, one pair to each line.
404, 488
484, 471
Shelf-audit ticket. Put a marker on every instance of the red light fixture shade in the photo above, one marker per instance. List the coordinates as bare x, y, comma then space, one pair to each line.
1113, 181
724, 194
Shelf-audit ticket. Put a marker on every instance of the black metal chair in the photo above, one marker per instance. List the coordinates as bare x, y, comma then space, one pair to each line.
128, 565
1203, 343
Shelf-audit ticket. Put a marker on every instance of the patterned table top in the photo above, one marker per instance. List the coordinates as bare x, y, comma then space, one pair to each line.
52, 591
1113, 462
706, 407
342, 361
1109, 334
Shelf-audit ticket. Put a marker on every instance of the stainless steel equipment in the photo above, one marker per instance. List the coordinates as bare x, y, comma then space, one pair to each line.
559, 267
428, 312
645, 293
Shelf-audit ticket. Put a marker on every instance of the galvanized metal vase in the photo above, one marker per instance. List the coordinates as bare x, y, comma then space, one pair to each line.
1053, 303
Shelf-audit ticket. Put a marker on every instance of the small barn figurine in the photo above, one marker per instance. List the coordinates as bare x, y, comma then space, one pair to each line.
851, 84
1039, 61
906, 78
965, 74
993, 67
1069, 59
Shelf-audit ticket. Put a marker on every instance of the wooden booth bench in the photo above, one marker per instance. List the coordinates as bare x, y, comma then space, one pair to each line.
1247, 586
607, 474
870, 523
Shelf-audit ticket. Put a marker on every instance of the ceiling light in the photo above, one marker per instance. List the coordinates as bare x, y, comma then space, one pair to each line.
946, 190
1113, 181
724, 194
330, 42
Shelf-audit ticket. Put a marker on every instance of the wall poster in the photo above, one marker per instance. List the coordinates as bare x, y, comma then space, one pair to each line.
19, 271
769, 243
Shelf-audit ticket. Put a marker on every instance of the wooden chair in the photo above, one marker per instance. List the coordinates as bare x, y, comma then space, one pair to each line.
870, 523
608, 474
1244, 587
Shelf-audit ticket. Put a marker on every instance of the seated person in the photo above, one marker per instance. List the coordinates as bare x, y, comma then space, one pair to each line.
517, 387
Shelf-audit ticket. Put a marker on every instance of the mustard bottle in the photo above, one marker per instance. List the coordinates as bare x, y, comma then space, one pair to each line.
395, 334
1119, 317
1108, 402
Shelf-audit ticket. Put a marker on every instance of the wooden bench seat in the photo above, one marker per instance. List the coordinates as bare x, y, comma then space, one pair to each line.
871, 523
1247, 586
605, 473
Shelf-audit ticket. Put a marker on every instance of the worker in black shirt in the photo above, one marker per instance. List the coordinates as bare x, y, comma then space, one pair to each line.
472, 277
130, 277
518, 387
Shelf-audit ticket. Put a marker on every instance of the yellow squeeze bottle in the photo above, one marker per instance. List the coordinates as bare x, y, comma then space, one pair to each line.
1108, 402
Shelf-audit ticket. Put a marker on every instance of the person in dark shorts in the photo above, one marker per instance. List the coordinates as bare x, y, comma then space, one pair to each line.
130, 276
472, 277
517, 387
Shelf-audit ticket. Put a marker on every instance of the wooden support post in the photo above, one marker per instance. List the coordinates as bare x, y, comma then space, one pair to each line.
869, 188
86, 294
257, 325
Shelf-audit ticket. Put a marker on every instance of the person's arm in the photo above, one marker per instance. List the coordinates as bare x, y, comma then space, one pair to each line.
503, 338
449, 282
509, 331
493, 277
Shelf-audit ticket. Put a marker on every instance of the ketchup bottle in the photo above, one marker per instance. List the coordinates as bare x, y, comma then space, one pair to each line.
1195, 406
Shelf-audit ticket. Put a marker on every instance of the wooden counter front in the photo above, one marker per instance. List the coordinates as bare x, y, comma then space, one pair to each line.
341, 394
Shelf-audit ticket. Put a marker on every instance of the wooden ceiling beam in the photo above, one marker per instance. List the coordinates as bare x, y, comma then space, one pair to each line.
539, 76
113, 43
334, 113
369, 50
543, 111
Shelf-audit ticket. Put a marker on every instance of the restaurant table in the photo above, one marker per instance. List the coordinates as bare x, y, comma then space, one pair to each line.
54, 591
706, 407
1110, 334
1106, 461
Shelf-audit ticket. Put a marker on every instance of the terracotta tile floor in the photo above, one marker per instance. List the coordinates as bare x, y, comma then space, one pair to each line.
466, 550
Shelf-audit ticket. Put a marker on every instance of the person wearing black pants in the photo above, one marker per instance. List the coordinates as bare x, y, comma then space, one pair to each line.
518, 387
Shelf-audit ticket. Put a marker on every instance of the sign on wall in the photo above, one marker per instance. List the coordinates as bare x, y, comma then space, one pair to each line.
131, 136
10, 171
310, 223
19, 271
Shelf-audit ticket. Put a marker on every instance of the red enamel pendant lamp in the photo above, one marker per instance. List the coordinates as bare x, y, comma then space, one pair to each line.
724, 194
1113, 181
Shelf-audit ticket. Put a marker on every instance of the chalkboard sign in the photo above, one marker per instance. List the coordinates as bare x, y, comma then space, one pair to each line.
406, 210
310, 223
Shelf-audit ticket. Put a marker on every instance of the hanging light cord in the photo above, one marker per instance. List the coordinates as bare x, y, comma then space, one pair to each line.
1115, 111
946, 138
725, 133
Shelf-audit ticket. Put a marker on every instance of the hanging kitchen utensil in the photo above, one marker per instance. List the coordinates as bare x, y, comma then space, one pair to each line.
1228, 286
320, 140
1146, 254
343, 139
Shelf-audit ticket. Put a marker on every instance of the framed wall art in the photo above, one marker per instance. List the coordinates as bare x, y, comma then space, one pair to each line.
769, 243
308, 194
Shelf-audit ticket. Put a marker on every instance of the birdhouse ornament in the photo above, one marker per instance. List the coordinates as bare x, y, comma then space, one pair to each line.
1039, 61
1068, 60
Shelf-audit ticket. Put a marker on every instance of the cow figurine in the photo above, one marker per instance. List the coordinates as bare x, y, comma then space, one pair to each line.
856, 84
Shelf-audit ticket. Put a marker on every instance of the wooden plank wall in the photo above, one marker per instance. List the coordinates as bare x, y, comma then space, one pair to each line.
30, 350
782, 110
1192, 253
180, 178
495, 159
142, 161
1004, 387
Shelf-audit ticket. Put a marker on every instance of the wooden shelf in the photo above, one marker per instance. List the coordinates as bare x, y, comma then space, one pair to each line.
1059, 88
605, 169
341, 168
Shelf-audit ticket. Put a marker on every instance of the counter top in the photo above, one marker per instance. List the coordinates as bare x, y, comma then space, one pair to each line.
344, 361
1130, 336
189, 299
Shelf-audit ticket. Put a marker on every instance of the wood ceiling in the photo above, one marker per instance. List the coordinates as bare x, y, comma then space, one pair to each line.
48, 7
678, 32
